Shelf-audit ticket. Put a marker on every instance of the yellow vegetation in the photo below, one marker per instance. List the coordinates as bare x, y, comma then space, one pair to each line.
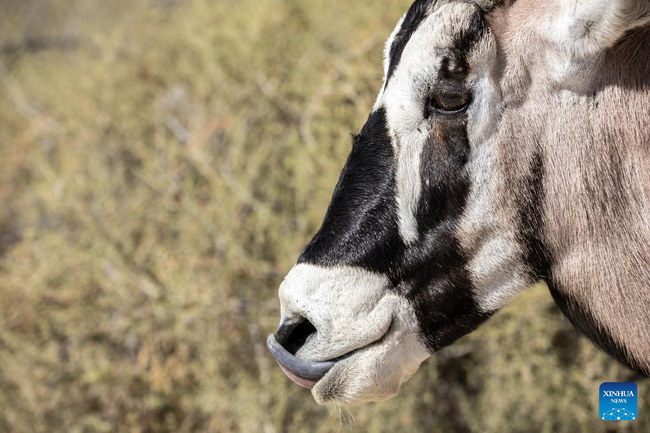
163, 164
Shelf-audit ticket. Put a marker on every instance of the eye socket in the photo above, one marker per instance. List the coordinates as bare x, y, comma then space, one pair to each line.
450, 102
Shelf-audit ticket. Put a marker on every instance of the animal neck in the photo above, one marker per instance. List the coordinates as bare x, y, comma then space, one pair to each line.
577, 161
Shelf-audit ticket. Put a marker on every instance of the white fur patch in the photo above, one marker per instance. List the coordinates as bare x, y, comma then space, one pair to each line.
348, 307
403, 100
377, 372
585, 28
387, 47
497, 272
352, 308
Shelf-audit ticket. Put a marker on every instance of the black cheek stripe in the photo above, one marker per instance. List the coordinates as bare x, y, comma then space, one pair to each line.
436, 279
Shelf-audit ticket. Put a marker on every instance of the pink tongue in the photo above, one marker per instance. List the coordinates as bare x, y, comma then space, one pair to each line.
302, 382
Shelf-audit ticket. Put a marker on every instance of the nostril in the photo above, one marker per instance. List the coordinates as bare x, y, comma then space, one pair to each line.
293, 333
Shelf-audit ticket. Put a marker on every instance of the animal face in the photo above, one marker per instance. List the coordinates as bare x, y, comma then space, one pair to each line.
435, 222
386, 281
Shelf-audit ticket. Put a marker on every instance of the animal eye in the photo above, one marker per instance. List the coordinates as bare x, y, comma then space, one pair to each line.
450, 102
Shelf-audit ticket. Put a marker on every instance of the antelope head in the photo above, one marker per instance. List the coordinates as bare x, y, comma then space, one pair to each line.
440, 215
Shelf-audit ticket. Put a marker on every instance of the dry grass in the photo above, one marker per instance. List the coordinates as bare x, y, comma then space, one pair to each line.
163, 164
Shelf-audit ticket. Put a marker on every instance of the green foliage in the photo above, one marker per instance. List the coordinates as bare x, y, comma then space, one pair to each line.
163, 164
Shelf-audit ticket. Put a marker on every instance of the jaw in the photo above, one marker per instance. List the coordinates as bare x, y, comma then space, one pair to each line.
374, 374
369, 332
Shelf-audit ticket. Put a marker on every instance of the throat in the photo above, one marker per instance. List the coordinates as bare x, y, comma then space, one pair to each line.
598, 331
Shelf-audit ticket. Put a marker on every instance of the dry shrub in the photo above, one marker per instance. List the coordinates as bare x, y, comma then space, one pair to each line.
163, 164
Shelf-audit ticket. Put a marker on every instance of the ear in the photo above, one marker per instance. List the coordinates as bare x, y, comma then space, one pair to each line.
585, 28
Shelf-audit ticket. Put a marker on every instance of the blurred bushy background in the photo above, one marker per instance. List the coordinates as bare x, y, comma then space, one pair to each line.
162, 164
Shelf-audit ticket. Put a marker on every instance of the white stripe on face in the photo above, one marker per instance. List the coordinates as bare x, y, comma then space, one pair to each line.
389, 44
404, 98
495, 266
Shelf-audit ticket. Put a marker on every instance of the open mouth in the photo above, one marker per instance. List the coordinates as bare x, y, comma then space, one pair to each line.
303, 372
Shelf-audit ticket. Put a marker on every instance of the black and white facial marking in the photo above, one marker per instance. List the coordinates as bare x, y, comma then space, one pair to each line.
439, 220
386, 281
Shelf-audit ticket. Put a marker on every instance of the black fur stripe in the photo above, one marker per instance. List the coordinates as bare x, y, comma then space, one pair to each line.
360, 227
361, 224
531, 219
415, 15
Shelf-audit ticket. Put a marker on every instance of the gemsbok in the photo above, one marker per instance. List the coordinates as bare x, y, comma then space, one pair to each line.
509, 144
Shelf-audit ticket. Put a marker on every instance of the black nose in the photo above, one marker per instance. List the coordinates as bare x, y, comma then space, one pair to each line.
293, 333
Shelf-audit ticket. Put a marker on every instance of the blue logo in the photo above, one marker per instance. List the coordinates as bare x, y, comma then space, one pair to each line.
618, 401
